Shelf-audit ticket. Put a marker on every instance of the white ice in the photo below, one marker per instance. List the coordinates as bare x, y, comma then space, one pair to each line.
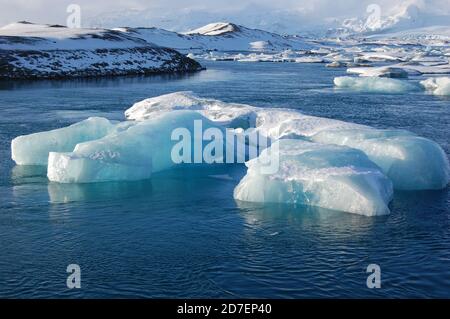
328, 176
388, 72
375, 84
438, 86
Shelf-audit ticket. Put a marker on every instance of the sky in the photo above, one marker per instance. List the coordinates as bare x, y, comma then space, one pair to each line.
186, 14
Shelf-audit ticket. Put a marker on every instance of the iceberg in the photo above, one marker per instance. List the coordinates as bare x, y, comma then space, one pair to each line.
131, 154
374, 84
410, 161
438, 86
388, 72
327, 176
33, 149
98, 150
401, 155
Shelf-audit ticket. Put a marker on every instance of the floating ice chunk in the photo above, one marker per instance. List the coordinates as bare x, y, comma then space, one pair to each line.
438, 86
335, 64
419, 68
131, 154
309, 59
33, 149
327, 176
375, 84
259, 45
387, 72
379, 56
411, 162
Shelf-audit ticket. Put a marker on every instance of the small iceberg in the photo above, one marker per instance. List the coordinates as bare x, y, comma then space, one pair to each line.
438, 86
374, 84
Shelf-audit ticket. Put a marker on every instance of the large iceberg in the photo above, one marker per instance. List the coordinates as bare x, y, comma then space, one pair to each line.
131, 154
323, 162
33, 149
327, 176
438, 86
375, 84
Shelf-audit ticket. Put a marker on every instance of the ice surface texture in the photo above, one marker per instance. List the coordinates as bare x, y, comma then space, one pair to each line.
131, 154
410, 161
327, 176
33, 149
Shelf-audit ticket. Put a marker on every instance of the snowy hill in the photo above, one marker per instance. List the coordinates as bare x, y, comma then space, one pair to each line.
220, 36
46, 51
216, 29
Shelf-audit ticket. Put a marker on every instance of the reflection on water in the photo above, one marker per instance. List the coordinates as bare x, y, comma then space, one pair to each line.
23, 174
66, 193
116, 81
306, 219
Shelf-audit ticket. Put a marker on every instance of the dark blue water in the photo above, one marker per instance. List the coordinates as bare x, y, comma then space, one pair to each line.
181, 234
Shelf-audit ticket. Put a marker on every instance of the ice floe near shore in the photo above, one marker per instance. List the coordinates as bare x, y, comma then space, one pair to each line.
322, 162
321, 175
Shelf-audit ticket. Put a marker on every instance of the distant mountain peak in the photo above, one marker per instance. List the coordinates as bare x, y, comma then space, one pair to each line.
216, 28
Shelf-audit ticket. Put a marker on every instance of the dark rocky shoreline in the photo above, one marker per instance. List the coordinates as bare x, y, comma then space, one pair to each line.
60, 64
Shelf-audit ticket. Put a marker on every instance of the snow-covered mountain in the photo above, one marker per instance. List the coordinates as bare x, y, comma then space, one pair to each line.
409, 15
221, 36
255, 16
45, 51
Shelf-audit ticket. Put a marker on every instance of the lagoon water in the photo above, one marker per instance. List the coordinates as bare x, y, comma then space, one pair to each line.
181, 234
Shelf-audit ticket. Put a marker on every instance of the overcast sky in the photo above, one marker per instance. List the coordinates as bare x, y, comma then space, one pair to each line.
54, 11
